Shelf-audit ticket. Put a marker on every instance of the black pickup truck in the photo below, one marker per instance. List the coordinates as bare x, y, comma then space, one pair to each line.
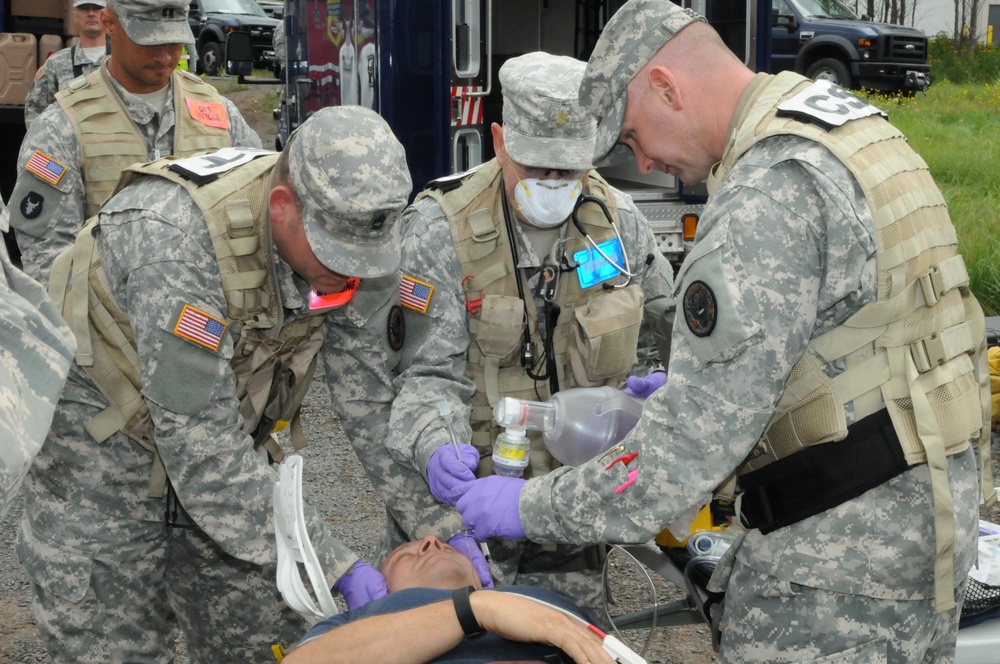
824, 39
212, 20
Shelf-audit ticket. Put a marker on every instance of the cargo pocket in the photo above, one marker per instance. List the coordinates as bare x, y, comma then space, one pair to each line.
56, 569
604, 335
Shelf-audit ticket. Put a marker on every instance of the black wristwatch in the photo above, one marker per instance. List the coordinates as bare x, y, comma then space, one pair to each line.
463, 609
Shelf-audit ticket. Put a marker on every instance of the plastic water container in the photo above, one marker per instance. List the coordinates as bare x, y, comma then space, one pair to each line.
47, 45
18, 55
576, 424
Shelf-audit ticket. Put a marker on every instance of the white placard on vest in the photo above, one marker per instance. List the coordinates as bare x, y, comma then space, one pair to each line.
218, 162
829, 104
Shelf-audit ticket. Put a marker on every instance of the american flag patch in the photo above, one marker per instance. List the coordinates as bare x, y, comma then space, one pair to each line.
197, 326
415, 294
45, 167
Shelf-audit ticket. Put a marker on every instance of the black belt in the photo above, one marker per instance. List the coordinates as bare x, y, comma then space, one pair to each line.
823, 476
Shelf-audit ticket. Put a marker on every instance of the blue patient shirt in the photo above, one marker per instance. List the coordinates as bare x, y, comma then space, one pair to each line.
482, 649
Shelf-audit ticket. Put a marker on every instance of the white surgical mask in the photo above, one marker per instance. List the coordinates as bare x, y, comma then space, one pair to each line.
546, 203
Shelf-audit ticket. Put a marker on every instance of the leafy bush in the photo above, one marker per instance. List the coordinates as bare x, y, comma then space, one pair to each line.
959, 66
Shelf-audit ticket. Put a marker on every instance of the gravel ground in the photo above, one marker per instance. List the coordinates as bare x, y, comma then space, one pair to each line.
336, 485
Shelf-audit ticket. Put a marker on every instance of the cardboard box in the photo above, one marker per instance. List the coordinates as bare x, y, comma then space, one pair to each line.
40, 8
18, 55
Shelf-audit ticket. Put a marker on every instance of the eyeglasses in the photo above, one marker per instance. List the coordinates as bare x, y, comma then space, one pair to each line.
540, 173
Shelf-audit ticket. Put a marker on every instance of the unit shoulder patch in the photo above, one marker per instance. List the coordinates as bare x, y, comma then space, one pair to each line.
396, 327
700, 309
31, 205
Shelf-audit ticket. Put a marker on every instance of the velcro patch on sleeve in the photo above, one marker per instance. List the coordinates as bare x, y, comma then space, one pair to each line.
208, 113
415, 294
39, 73
45, 168
200, 328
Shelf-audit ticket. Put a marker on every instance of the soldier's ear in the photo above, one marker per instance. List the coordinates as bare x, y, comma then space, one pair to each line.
281, 204
107, 21
664, 85
497, 132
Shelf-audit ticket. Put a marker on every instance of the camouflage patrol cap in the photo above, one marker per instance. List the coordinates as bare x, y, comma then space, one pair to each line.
628, 42
154, 22
543, 123
350, 173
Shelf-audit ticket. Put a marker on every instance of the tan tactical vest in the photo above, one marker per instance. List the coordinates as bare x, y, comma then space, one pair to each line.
109, 139
917, 349
273, 362
595, 336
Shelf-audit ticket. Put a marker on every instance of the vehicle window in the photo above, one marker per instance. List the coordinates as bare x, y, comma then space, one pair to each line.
233, 7
824, 9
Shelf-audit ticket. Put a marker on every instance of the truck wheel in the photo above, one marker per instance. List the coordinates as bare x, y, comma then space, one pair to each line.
211, 56
830, 69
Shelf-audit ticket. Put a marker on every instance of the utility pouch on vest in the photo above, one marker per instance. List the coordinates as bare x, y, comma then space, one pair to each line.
499, 328
604, 335
821, 477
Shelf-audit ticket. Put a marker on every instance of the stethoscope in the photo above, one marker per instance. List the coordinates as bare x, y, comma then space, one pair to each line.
625, 270
528, 357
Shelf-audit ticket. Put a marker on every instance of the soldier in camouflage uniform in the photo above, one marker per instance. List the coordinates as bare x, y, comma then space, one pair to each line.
480, 325
64, 65
149, 509
136, 107
830, 353
36, 349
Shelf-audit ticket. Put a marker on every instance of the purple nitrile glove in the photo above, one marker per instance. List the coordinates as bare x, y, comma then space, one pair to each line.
447, 475
643, 386
466, 544
360, 585
489, 507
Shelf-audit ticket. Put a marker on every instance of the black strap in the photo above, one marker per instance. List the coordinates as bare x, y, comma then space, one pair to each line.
77, 67
823, 476
463, 609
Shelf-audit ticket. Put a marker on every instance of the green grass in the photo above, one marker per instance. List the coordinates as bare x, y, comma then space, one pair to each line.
956, 129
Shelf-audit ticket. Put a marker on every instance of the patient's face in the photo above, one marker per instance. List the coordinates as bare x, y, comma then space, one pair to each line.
428, 563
